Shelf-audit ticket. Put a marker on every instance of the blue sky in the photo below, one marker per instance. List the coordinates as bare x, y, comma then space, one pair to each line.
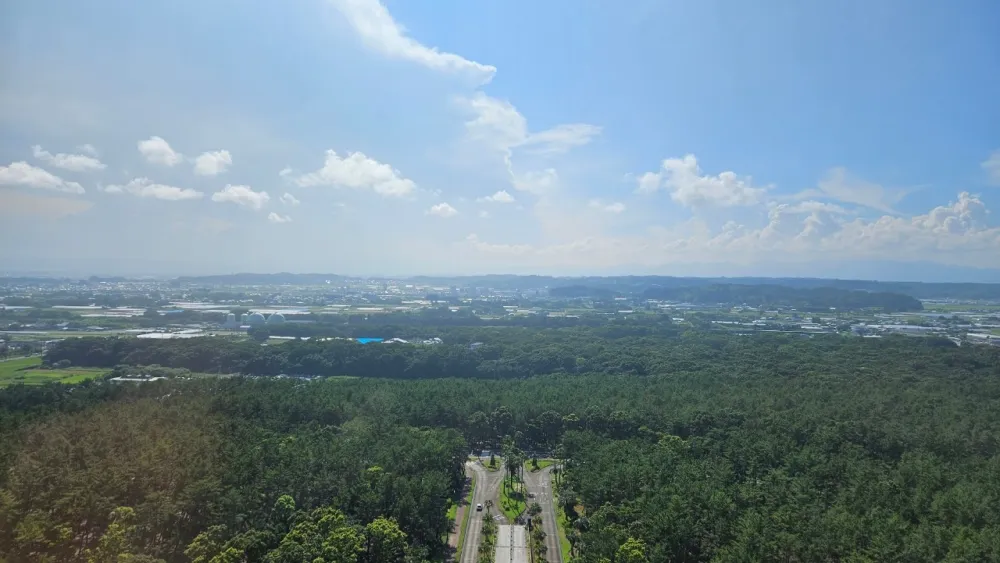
688, 138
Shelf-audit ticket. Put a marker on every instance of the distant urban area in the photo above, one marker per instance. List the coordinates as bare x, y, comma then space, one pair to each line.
36, 313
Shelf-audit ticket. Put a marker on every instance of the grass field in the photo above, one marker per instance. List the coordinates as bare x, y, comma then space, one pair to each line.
28, 371
512, 499
542, 464
464, 524
562, 525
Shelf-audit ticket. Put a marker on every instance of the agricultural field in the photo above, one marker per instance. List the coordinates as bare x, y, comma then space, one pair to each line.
29, 371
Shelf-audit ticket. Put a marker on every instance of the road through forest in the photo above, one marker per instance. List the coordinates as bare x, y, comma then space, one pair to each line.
540, 483
487, 488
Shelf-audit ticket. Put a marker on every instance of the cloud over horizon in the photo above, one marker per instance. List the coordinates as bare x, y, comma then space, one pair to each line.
411, 138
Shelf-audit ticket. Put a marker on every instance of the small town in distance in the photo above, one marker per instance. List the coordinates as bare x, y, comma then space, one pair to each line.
37, 312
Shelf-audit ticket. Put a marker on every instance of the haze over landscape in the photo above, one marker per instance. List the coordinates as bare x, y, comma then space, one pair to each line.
849, 140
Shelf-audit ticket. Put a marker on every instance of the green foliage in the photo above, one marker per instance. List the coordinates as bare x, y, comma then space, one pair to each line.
488, 539
725, 448
632, 551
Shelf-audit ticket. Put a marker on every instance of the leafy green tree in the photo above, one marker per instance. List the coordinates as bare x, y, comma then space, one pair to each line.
117, 543
632, 551
385, 542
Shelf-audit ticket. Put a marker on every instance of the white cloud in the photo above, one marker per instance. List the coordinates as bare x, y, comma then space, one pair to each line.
289, 199
143, 187
157, 151
373, 23
442, 210
537, 182
956, 234
561, 138
484, 214
992, 167
840, 185
500, 197
648, 183
73, 162
812, 207
967, 214
682, 178
500, 125
616, 207
286, 171
87, 149
357, 171
275, 218
241, 195
495, 121
23, 174
212, 163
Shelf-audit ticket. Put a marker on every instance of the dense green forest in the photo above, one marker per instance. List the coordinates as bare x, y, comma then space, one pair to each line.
678, 446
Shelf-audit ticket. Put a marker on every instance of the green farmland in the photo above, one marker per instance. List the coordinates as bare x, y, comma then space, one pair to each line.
29, 372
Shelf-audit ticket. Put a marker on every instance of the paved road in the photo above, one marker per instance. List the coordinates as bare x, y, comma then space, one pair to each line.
512, 545
487, 487
540, 483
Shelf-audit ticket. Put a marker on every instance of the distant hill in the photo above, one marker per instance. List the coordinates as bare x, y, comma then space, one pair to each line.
282, 278
576, 291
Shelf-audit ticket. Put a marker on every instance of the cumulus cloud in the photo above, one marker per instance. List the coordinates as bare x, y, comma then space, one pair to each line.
275, 218
377, 29
967, 214
956, 233
87, 149
500, 197
442, 210
992, 167
615, 207
212, 163
157, 151
289, 199
73, 162
23, 174
484, 214
357, 171
683, 178
241, 195
143, 187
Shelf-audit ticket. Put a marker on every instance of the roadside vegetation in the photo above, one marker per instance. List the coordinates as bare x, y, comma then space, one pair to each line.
535, 464
488, 539
466, 518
